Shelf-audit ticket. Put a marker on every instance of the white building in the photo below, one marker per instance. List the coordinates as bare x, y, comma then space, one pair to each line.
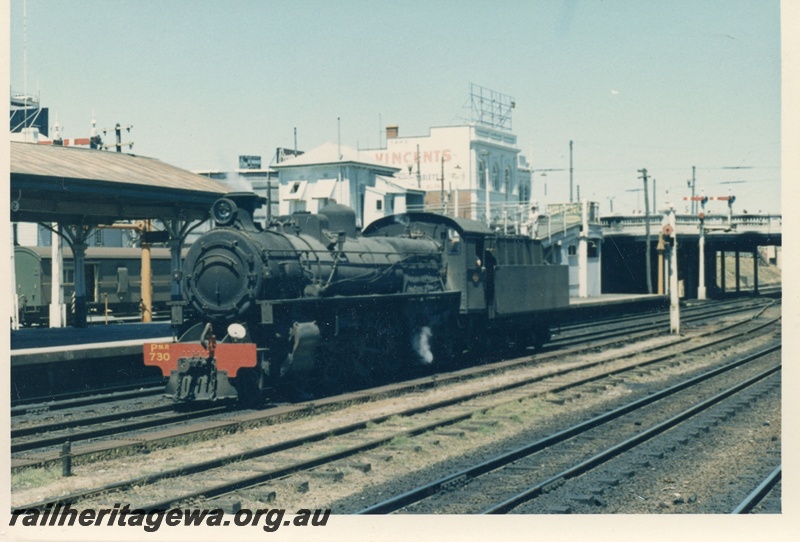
337, 173
454, 164
390, 196
453, 169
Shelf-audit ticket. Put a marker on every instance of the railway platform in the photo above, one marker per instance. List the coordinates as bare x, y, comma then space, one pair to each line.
583, 308
614, 299
53, 345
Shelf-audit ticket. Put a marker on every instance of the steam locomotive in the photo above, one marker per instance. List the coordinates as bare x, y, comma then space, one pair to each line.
310, 303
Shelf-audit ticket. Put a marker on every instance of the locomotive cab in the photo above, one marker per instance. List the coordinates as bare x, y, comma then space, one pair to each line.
509, 294
464, 245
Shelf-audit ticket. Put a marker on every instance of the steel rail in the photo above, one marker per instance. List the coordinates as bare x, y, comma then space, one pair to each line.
45, 442
598, 459
647, 326
656, 313
757, 495
464, 475
78, 399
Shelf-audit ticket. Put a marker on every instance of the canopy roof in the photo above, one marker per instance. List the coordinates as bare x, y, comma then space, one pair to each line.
87, 186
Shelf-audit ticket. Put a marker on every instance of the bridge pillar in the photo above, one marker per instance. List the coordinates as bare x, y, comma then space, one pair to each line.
755, 270
722, 270
738, 283
701, 272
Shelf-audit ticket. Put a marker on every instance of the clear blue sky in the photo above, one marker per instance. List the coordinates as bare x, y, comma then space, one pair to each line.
635, 84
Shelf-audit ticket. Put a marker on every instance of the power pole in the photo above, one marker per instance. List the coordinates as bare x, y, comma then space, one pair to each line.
441, 197
419, 173
647, 232
118, 133
655, 192
570, 171
674, 298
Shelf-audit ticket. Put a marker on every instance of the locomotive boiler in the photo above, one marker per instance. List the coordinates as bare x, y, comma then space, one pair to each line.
308, 303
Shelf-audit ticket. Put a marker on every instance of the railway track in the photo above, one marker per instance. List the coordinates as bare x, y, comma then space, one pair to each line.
505, 482
760, 493
63, 401
38, 437
575, 335
469, 407
568, 335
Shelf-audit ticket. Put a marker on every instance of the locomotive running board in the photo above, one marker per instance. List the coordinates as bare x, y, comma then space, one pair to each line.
268, 306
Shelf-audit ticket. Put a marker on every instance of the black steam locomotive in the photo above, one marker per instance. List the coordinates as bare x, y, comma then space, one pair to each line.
309, 303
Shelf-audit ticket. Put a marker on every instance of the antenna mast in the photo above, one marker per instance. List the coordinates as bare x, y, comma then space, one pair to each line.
25, 60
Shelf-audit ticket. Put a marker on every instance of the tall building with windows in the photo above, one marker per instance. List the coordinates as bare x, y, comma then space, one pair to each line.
454, 170
461, 168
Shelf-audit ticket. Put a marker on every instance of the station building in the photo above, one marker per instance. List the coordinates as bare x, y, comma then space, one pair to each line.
461, 168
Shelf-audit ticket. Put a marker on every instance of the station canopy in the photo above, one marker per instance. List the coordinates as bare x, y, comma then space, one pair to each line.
87, 186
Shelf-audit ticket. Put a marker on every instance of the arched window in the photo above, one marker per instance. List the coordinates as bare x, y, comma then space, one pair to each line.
482, 173
496, 177
507, 180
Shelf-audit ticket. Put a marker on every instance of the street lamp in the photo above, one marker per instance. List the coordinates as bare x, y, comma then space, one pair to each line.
485, 154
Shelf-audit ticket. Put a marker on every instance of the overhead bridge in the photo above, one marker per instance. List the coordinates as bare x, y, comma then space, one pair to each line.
765, 230
755, 236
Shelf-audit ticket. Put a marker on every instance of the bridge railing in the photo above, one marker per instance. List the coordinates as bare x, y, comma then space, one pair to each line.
634, 224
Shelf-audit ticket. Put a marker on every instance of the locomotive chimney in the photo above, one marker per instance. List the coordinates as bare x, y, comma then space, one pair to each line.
237, 207
392, 131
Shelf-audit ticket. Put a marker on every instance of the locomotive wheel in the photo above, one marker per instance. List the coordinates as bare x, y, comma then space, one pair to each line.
517, 342
248, 387
341, 372
541, 335
383, 351
374, 355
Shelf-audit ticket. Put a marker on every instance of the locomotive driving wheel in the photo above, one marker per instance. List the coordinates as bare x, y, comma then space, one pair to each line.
381, 350
340, 369
366, 357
